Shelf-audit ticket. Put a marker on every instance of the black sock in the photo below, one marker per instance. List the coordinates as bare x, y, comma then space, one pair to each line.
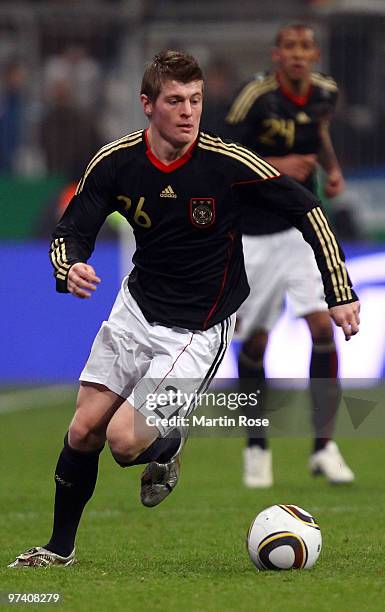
325, 390
75, 477
161, 450
252, 379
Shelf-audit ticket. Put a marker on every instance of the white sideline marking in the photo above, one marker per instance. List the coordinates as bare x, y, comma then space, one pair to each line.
37, 397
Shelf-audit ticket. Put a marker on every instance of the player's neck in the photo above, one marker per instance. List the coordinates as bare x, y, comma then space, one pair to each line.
298, 88
165, 151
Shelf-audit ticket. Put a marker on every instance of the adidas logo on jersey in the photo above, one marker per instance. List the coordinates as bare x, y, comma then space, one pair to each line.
168, 192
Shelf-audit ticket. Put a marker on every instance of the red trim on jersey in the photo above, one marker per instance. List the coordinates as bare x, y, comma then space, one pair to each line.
262, 180
229, 253
168, 167
297, 100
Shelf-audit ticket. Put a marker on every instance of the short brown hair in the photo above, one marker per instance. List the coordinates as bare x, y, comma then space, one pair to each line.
169, 65
292, 26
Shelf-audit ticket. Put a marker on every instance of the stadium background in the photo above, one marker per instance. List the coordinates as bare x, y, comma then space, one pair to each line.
70, 74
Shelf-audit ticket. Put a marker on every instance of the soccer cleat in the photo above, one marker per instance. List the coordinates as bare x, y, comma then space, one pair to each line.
41, 557
331, 464
257, 467
159, 479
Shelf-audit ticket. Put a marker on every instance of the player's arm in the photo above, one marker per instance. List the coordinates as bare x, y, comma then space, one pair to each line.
73, 240
327, 159
298, 166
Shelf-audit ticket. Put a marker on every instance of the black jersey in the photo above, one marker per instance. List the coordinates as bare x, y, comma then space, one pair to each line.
188, 264
273, 122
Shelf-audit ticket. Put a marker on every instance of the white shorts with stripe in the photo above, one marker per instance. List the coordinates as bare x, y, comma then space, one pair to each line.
278, 266
137, 359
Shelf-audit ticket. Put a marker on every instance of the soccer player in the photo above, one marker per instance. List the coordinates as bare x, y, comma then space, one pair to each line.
284, 116
181, 190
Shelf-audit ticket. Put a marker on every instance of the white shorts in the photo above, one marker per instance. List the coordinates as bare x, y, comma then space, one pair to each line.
279, 265
139, 360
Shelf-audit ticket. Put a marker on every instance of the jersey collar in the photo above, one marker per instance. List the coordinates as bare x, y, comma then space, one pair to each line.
181, 161
297, 100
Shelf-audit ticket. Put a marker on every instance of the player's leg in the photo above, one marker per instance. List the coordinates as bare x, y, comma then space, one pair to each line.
252, 379
182, 366
107, 378
265, 258
325, 389
133, 442
257, 458
77, 467
75, 474
305, 292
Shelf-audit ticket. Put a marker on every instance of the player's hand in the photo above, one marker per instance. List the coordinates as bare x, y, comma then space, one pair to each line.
82, 280
335, 184
297, 166
347, 316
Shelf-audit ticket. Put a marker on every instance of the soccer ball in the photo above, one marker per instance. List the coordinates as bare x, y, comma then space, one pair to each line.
284, 537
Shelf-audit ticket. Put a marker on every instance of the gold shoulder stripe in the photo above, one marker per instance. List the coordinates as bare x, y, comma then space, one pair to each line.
229, 154
100, 156
327, 83
243, 103
323, 77
126, 138
259, 165
246, 98
259, 161
256, 163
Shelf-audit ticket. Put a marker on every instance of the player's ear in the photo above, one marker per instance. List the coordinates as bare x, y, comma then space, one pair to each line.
275, 55
146, 105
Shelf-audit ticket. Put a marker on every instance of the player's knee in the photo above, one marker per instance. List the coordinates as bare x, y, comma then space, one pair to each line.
82, 436
123, 455
321, 328
125, 446
255, 346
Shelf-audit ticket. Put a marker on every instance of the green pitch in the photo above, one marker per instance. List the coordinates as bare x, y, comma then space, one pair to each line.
188, 553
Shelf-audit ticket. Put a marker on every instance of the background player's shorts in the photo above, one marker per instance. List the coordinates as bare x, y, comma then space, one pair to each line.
279, 265
142, 361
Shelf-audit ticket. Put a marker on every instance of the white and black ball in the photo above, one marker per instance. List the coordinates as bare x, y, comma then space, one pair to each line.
284, 537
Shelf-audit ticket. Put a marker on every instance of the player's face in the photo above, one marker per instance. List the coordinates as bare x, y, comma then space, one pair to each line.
176, 113
296, 54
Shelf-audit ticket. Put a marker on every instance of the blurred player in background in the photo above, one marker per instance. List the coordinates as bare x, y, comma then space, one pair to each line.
284, 116
181, 190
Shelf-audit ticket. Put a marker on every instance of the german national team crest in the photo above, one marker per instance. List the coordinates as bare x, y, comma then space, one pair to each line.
202, 211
